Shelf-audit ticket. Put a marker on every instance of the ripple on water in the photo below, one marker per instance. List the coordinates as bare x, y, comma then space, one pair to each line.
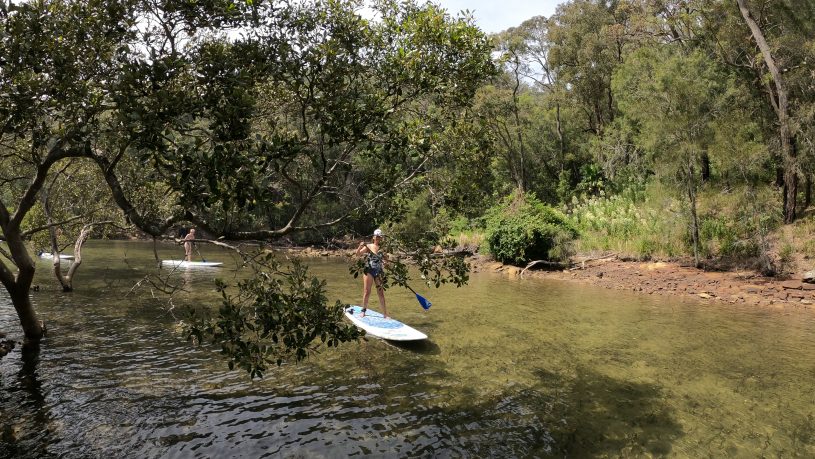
512, 369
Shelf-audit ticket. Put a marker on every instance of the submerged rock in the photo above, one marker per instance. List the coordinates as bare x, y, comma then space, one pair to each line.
6, 347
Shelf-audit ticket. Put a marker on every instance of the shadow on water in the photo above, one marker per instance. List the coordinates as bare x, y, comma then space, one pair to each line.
597, 415
558, 413
27, 376
559, 377
29, 434
425, 346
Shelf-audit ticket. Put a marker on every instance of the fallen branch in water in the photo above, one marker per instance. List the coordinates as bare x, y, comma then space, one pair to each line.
554, 264
583, 263
559, 265
255, 256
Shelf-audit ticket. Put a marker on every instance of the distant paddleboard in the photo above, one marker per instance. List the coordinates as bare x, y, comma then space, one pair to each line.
50, 256
190, 264
375, 324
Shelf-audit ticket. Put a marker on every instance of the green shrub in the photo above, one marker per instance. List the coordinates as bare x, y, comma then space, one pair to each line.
521, 229
418, 222
786, 258
809, 248
646, 248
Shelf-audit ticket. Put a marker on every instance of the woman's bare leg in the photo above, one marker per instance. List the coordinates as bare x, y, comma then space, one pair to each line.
380, 292
367, 281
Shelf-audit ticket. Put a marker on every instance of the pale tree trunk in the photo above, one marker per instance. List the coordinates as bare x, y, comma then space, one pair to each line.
561, 145
67, 281
84, 234
56, 261
516, 111
155, 253
781, 107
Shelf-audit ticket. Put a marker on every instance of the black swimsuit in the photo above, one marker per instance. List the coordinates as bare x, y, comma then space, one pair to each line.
374, 264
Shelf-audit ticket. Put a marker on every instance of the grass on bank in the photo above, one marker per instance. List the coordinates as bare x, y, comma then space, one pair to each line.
653, 223
740, 227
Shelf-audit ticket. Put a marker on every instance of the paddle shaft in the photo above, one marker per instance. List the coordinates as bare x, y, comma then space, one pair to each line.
199, 252
419, 298
368, 247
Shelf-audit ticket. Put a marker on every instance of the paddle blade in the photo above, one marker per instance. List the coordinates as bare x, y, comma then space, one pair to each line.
423, 301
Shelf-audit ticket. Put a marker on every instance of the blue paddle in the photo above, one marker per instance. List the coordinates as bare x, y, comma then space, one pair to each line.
422, 300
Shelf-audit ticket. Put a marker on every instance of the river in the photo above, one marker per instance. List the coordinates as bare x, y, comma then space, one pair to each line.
512, 368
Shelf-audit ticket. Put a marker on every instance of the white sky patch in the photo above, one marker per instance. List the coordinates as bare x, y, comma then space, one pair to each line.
490, 15
494, 16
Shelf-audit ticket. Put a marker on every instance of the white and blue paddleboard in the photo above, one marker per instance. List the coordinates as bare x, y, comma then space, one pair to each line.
190, 264
375, 324
50, 256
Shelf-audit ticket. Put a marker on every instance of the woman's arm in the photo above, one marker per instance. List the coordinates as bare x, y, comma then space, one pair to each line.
362, 248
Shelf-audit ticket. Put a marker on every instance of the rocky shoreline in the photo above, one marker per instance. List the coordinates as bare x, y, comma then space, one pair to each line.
673, 279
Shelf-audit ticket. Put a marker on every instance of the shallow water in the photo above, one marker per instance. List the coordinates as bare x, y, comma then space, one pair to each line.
512, 368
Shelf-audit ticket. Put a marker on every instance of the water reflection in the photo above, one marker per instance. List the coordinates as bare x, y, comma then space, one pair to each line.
511, 369
28, 426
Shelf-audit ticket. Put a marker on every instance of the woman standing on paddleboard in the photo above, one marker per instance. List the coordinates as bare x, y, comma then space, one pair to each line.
374, 265
188, 244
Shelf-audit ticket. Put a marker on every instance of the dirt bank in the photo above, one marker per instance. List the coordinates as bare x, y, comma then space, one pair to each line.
661, 278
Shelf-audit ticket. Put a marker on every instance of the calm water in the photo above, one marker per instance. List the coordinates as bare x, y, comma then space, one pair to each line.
512, 369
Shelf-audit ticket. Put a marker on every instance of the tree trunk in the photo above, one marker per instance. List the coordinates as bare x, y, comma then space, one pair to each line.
782, 110
779, 176
56, 262
610, 106
516, 111
561, 145
705, 167
791, 192
19, 286
67, 281
32, 327
598, 114
155, 253
691, 179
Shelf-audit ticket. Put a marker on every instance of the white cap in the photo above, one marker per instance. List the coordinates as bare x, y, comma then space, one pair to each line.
378, 232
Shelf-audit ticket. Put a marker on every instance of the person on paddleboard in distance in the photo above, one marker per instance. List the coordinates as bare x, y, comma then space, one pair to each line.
374, 265
188, 245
